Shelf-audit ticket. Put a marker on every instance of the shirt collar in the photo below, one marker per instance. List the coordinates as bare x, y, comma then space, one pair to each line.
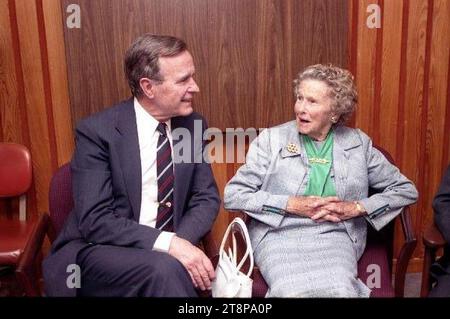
143, 116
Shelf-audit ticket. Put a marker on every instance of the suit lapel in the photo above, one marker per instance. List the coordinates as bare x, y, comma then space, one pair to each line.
344, 140
294, 147
129, 155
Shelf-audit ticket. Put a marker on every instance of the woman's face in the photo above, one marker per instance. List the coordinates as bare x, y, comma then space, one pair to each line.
313, 109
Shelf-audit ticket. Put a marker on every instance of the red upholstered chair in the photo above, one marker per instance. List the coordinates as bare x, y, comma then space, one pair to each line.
60, 205
379, 251
15, 182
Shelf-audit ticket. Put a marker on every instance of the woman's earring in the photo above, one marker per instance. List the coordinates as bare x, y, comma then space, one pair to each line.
333, 119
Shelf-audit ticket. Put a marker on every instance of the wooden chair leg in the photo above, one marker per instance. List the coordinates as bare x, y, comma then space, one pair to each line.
429, 257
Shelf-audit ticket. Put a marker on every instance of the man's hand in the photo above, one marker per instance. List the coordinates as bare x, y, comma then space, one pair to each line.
343, 210
309, 206
194, 260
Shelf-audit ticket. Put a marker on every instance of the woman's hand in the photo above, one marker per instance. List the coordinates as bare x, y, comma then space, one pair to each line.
343, 210
309, 206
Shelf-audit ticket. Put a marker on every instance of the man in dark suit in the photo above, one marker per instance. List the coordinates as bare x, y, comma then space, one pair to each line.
441, 269
144, 195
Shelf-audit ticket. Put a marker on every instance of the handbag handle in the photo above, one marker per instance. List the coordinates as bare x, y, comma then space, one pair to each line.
248, 252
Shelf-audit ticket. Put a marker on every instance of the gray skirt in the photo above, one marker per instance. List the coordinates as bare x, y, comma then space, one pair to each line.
303, 258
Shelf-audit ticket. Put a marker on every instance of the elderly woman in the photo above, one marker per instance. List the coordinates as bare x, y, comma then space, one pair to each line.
305, 184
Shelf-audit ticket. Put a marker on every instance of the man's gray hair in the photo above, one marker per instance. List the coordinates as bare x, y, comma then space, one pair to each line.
142, 58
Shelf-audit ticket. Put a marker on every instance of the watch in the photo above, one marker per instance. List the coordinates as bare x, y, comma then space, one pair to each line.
359, 208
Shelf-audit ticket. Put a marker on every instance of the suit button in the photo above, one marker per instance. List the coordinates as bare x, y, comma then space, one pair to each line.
169, 204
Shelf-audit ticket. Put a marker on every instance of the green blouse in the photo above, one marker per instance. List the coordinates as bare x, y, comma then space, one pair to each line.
320, 161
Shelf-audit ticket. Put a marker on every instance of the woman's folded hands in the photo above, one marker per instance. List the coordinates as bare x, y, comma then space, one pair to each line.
322, 209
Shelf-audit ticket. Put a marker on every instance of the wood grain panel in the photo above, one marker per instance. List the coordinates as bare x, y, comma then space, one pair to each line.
246, 52
410, 84
352, 44
16, 128
35, 99
319, 33
233, 62
34, 88
437, 106
365, 66
376, 123
47, 93
274, 94
10, 108
390, 74
413, 112
223, 219
9, 97
62, 121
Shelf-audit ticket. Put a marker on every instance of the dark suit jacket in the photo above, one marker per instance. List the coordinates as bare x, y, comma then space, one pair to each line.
441, 269
106, 172
441, 206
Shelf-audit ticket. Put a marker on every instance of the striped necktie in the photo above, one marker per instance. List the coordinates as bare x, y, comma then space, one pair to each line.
165, 178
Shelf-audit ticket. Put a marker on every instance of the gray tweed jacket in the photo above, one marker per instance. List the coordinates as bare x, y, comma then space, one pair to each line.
272, 173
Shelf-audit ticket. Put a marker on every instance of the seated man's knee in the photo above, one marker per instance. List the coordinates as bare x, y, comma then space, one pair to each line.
166, 277
167, 267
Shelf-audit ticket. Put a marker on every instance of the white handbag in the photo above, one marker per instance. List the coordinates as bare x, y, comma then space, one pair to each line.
230, 282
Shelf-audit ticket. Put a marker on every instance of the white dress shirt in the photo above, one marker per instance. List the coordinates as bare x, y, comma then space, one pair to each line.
148, 140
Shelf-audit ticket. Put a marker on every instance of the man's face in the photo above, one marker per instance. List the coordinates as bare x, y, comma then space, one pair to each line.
173, 97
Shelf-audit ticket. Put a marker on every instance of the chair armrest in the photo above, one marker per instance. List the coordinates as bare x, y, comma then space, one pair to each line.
405, 253
26, 271
432, 237
433, 240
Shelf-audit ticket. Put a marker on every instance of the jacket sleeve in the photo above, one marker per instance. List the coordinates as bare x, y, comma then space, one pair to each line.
394, 190
441, 206
243, 191
98, 221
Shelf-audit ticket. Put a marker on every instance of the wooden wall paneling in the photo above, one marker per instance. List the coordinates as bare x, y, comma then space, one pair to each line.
13, 109
89, 49
222, 221
190, 21
412, 117
274, 73
365, 69
236, 45
390, 73
319, 33
437, 104
59, 89
222, 174
232, 59
387, 86
376, 123
10, 110
126, 25
36, 111
352, 45
402, 76
398, 236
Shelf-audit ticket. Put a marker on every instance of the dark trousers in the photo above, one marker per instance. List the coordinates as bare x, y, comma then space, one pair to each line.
112, 271
442, 287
